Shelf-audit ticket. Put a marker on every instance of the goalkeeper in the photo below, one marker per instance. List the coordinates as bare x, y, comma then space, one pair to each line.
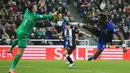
24, 30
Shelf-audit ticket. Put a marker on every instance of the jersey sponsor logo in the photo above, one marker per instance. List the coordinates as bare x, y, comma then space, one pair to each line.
115, 30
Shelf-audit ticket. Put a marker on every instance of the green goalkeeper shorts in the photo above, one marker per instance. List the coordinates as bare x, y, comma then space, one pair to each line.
22, 40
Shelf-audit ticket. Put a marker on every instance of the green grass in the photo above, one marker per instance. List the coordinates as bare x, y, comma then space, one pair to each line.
43, 66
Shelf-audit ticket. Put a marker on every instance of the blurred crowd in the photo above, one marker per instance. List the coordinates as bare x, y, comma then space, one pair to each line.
118, 12
11, 15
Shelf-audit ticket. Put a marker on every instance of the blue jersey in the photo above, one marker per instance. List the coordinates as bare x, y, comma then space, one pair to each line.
103, 31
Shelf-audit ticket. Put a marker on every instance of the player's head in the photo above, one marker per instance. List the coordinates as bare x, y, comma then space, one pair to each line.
67, 26
32, 7
102, 18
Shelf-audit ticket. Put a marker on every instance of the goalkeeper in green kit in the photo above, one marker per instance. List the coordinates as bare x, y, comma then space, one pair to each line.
24, 30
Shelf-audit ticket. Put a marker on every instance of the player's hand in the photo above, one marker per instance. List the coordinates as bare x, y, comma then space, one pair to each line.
76, 39
124, 48
60, 38
89, 35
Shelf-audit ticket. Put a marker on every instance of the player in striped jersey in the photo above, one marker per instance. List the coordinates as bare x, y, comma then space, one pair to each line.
70, 36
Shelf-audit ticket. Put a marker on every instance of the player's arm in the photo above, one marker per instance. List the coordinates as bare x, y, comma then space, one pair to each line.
60, 35
45, 16
76, 34
65, 20
120, 35
88, 35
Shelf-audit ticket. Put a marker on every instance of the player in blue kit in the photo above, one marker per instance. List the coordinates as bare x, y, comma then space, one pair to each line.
104, 31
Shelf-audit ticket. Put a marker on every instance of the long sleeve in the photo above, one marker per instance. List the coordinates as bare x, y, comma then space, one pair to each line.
43, 17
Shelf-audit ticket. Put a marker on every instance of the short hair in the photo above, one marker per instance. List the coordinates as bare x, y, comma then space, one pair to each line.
103, 16
67, 24
30, 7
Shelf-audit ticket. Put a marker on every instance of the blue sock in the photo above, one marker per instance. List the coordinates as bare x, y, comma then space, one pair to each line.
90, 58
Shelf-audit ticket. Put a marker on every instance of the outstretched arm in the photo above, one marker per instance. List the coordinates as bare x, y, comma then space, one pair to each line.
88, 35
45, 16
119, 34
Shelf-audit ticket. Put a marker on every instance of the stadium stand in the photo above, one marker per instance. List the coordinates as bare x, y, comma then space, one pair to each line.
118, 12
11, 15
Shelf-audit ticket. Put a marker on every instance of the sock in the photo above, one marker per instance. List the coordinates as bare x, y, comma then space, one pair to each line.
15, 42
16, 60
69, 59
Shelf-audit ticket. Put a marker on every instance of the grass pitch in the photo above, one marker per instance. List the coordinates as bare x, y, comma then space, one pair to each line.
55, 66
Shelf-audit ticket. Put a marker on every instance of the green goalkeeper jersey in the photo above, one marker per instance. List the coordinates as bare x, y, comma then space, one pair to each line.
29, 22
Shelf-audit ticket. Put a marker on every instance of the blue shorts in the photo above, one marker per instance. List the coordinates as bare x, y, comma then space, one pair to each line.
65, 46
101, 45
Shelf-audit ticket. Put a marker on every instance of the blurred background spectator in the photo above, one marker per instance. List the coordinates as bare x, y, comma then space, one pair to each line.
118, 12
11, 15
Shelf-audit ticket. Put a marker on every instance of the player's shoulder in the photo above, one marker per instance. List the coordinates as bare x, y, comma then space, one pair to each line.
110, 24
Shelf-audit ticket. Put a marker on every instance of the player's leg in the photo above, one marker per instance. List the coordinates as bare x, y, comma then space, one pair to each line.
16, 60
97, 53
71, 56
92, 29
21, 44
100, 48
69, 53
15, 42
67, 56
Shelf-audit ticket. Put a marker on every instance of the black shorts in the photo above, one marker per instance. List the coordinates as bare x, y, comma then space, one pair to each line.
70, 49
93, 30
97, 32
108, 35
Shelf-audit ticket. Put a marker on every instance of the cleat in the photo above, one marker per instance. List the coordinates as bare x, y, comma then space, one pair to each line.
12, 71
71, 65
90, 58
9, 51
